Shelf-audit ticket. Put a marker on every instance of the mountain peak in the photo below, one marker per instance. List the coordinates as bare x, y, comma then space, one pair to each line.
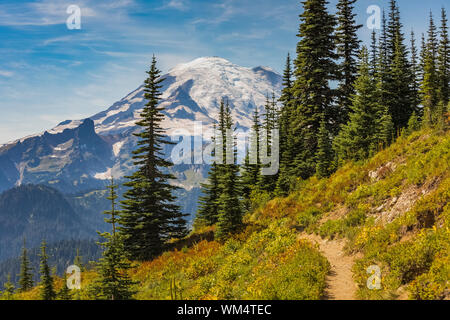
203, 62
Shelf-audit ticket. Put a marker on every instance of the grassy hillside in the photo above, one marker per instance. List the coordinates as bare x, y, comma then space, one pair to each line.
392, 212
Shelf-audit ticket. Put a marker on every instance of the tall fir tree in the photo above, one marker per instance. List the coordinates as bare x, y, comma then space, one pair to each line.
432, 38
382, 76
150, 217
26, 275
230, 211
313, 98
360, 136
114, 282
423, 54
415, 73
78, 261
444, 61
347, 43
268, 182
373, 55
398, 89
252, 163
47, 285
208, 211
64, 293
429, 85
8, 289
325, 152
286, 151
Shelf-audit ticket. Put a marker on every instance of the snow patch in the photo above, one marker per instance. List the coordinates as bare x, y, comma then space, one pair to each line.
117, 146
104, 175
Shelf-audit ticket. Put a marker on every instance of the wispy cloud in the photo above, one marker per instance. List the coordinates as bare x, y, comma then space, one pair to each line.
6, 73
53, 12
178, 5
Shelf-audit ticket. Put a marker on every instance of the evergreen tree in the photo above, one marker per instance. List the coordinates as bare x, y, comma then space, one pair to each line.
9, 288
429, 86
413, 123
325, 152
47, 288
286, 152
209, 202
398, 87
78, 261
252, 164
432, 38
444, 61
313, 98
347, 48
360, 137
114, 283
373, 55
25, 276
423, 54
415, 84
149, 217
385, 128
268, 182
383, 68
230, 212
64, 293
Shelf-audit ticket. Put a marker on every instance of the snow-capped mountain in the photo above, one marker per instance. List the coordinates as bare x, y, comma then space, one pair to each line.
79, 155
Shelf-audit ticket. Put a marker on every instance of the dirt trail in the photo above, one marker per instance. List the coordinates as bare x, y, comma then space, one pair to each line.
340, 284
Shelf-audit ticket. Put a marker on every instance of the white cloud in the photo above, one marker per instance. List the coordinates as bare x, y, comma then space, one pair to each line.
53, 12
6, 73
178, 5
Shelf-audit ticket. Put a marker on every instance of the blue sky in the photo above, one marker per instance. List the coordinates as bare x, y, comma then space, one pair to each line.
49, 74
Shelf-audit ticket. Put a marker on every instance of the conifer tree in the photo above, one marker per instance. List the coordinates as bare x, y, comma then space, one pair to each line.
382, 77
385, 129
9, 288
415, 83
268, 182
423, 54
444, 61
47, 286
398, 88
373, 55
348, 49
78, 261
325, 152
286, 152
25, 276
286, 107
313, 98
432, 38
209, 202
64, 293
114, 282
230, 212
360, 137
429, 86
252, 164
413, 123
149, 217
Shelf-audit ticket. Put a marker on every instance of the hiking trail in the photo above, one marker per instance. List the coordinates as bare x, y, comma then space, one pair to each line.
340, 284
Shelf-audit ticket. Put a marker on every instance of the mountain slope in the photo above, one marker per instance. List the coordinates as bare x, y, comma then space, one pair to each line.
390, 213
25, 214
